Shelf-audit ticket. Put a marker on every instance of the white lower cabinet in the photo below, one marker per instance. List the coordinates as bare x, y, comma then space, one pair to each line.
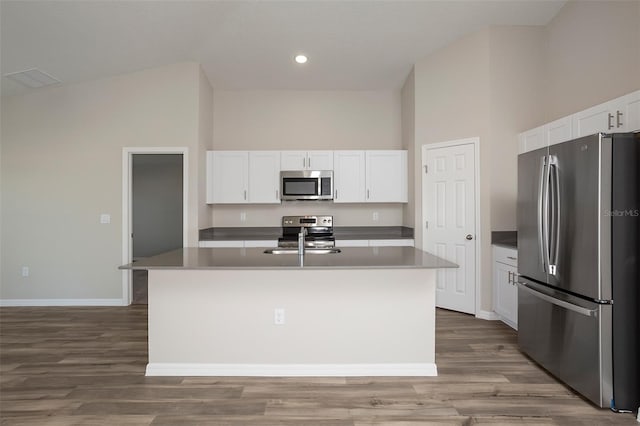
221, 244
505, 289
399, 242
238, 243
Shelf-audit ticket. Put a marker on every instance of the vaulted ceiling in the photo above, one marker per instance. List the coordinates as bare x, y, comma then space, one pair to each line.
351, 45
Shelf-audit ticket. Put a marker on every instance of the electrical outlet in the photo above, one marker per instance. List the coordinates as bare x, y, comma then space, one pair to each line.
105, 218
25, 271
376, 216
243, 216
278, 316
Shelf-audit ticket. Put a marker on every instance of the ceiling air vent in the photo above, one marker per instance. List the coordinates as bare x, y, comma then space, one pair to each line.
33, 78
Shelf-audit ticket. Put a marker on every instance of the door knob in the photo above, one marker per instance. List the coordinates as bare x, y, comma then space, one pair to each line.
469, 237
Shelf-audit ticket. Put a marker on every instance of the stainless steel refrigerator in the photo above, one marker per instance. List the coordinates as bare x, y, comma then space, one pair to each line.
578, 246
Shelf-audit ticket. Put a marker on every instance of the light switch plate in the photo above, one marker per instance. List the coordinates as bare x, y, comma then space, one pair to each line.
105, 218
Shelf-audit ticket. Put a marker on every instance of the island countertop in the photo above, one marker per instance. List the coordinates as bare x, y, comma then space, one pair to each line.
255, 258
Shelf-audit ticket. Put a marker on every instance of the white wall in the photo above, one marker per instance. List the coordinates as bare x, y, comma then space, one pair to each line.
452, 100
408, 98
592, 55
62, 168
504, 80
205, 143
306, 120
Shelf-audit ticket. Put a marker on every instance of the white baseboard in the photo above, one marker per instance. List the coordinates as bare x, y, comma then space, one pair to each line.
292, 370
62, 302
488, 315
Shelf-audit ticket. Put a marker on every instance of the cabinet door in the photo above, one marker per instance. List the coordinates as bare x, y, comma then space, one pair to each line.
400, 242
600, 118
532, 140
506, 293
320, 160
559, 131
349, 177
386, 176
628, 113
264, 177
293, 160
227, 176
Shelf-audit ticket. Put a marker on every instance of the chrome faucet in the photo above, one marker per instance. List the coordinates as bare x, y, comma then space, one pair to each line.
301, 235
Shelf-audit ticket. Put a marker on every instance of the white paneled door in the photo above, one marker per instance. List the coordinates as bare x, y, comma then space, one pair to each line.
449, 218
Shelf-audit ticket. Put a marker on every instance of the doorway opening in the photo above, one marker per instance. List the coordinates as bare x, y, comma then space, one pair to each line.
154, 210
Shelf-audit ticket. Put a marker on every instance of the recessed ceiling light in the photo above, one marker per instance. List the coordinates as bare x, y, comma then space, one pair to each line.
301, 59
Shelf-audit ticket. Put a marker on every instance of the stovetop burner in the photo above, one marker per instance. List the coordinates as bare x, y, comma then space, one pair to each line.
319, 231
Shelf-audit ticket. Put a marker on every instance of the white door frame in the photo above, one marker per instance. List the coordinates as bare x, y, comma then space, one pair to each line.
127, 221
475, 141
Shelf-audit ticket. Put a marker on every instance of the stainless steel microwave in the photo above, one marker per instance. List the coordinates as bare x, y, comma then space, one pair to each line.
306, 185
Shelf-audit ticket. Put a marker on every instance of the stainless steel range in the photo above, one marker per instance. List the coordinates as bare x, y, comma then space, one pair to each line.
317, 230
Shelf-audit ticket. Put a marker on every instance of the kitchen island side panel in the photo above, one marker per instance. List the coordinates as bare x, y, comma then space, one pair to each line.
333, 317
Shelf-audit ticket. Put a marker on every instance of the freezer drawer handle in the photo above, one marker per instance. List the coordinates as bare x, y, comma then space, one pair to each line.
570, 306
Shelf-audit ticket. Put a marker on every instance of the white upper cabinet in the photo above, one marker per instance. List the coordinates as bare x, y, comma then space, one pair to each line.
386, 176
532, 139
630, 104
619, 115
349, 177
306, 160
238, 177
264, 177
558, 131
227, 177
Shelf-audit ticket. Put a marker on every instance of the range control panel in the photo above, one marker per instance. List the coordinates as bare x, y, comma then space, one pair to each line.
307, 221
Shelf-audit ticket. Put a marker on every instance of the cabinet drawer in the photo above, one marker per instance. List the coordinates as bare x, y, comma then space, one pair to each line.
392, 243
221, 244
505, 255
352, 243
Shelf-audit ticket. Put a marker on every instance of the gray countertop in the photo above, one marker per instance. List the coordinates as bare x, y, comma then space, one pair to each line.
274, 232
255, 258
507, 239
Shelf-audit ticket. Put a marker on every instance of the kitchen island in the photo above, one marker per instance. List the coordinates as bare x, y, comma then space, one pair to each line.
366, 311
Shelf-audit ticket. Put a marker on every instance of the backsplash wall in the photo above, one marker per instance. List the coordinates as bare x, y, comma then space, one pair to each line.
343, 214
307, 120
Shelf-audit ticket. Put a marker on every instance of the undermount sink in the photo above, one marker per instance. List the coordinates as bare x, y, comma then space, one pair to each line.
329, 250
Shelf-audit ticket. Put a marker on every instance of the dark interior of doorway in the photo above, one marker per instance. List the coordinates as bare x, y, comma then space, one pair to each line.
157, 211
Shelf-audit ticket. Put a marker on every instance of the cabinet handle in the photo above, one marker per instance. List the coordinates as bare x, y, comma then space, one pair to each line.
618, 115
304, 162
336, 194
309, 162
609, 123
245, 194
367, 194
509, 279
512, 258
277, 194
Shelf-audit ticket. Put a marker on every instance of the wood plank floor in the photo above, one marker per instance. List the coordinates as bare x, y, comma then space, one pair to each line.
85, 366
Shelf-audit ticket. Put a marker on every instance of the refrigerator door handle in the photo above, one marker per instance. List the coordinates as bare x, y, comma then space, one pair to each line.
542, 212
554, 242
570, 306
